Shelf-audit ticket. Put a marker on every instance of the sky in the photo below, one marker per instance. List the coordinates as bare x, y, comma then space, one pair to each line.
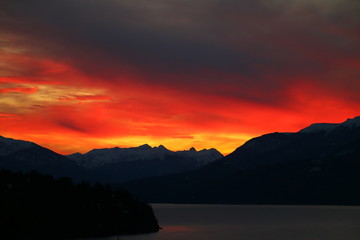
82, 74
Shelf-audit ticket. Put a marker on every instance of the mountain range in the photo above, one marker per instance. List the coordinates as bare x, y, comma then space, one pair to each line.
19, 155
113, 165
109, 165
319, 164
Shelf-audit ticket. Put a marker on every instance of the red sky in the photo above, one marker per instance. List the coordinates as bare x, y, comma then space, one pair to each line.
77, 75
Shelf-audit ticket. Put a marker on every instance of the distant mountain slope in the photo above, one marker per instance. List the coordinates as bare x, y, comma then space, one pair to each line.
311, 143
111, 165
114, 165
26, 156
317, 165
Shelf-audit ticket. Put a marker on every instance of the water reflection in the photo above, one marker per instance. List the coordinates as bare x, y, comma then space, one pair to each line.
177, 229
216, 222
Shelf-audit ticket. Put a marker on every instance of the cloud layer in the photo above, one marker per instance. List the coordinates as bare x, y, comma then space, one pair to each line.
123, 72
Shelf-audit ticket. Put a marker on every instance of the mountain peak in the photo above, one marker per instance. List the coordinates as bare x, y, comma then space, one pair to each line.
144, 146
192, 149
161, 147
352, 122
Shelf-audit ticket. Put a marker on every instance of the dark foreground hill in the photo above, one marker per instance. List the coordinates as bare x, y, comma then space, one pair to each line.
35, 206
317, 165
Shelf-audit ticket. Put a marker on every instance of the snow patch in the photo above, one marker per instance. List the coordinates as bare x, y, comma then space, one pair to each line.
352, 122
319, 127
328, 127
101, 157
9, 145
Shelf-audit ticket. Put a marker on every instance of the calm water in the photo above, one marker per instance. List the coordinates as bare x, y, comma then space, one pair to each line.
234, 222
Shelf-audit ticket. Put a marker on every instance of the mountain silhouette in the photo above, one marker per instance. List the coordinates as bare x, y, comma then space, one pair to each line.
109, 165
19, 155
115, 165
317, 165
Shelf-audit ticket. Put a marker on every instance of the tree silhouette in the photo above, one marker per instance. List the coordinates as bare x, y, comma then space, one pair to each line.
34, 205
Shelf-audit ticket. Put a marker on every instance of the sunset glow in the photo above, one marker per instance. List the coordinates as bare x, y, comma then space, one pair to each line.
79, 75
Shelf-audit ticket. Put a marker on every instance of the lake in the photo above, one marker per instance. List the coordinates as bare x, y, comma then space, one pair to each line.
244, 222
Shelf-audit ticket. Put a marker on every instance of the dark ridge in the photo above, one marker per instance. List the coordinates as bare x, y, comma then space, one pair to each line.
315, 167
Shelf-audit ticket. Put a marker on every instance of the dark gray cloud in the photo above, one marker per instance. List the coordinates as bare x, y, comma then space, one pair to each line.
121, 33
258, 46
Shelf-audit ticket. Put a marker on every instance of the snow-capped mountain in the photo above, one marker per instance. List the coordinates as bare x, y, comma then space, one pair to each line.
315, 141
110, 165
317, 165
202, 157
9, 146
114, 165
100, 157
328, 127
319, 127
19, 155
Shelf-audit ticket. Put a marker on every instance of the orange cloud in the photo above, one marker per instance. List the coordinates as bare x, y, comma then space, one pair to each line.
85, 98
7, 115
18, 90
196, 80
